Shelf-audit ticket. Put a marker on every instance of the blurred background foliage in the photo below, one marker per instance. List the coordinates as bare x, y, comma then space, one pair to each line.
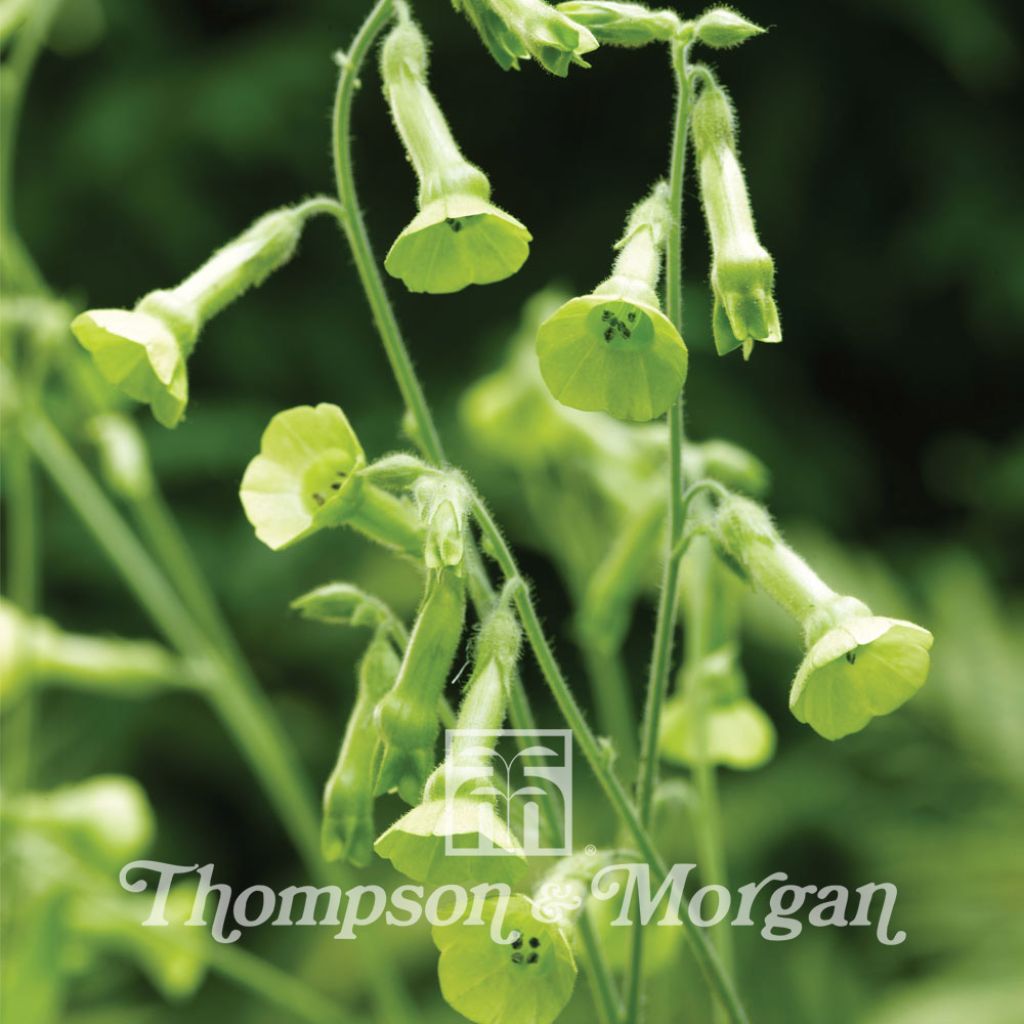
883, 148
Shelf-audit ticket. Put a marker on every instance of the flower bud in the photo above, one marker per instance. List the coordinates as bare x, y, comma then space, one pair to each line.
459, 237
306, 477
343, 604
124, 460
721, 28
143, 351
614, 350
348, 796
443, 504
742, 272
623, 24
407, 716
515, 30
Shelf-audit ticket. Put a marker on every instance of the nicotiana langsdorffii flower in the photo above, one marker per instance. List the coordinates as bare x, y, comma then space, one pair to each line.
527, 980
721, 29
143, 351
406, 717
34, 650
614, 350
458, 807
729, 729
306, 478
459, 237
742, 271
348, 830
515, 30
857, 665
623, 24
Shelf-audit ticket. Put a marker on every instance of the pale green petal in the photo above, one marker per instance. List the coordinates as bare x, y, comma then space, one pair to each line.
529, 982
738, 734
416, 844
605, 353
456, 242
865, 667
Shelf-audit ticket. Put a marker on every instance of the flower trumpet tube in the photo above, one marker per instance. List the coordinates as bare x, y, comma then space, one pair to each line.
348, 796
406, 717
436, 841
458, 237
742, 271
33, 649
515, 30
306, 477
623, 24
856, 665
143, 351
614, 350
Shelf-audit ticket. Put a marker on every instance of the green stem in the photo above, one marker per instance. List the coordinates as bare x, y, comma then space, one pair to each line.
359, 241
243, 709
664, 630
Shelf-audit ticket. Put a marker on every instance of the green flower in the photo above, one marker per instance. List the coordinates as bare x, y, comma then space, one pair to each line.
862, 667
737, 733
623, 24
459, 237
614, 350
305, 476
722, 29
142, 352
742, 271
348, 828
528, 980
515, 30
418, 844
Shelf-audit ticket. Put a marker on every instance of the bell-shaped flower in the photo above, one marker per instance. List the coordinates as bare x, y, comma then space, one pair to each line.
862, 667
143, 351
515, 30
306, 477
614, 350
857, 665
727, 729
348, 828
406, 716
742, 271
458, 237
528, 979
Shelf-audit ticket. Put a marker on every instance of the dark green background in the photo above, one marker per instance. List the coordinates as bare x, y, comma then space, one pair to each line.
882, 144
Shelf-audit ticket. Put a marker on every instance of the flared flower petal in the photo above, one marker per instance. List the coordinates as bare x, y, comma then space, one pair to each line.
458, 241
526, 981
421, 842
141, 355
612, 353
738, 734
305, 475
864, 667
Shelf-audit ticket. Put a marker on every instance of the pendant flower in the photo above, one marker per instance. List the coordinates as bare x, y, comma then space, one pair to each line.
862, 667
742, 272
143, 351
529, 980
614, 350
458, 237
857, 665
515, 30
737, 733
